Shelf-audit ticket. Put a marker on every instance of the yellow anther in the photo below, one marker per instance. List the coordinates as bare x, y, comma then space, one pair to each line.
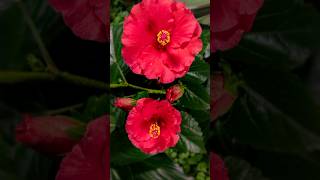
154, 130
163, 37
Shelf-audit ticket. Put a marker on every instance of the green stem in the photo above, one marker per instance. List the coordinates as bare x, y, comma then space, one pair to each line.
151, 91
10, 77
63, 110
79, 80
44, 52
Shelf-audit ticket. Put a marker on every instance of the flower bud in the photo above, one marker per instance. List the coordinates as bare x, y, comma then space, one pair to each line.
174, 93
125, 103
48, 134
222, 98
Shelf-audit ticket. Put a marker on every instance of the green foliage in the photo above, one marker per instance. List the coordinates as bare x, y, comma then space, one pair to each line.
275, 118
191, 137
127, 158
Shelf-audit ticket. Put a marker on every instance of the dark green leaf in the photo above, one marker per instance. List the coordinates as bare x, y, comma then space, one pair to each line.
191, 139
122, 152
158, 167
286, 44
199, 71
115, 53
278, 115
142, 94
239, 169
195, 96
95, 107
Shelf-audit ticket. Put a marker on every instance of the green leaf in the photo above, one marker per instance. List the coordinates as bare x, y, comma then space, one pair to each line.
195, 4
191, 139
9, 118
158, 167
95, 107
122, 152
288, 166
17, 40
199, 71
205, 37
118, 117
239, 169
195, 96
278, 114
117, 63
285, 45
18, 162
141, 94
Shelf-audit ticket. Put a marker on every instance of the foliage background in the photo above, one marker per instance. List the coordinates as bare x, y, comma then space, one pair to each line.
272, 130
22, 92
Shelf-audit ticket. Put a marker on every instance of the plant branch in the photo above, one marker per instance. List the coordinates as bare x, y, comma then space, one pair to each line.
44, 52
151, 91
79, 80
63, 110
11, 77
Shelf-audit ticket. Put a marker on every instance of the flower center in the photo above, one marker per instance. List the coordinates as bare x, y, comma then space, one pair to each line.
163, 37
154, 130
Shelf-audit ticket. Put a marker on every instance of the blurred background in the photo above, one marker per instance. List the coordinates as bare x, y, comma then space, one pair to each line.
28, 87
268, 127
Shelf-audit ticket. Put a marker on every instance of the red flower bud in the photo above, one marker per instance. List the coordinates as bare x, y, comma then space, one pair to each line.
125, 103
221, 98
174, 93
48, 134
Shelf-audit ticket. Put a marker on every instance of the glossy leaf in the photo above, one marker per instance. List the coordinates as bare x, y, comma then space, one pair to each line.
191, 137
195, 96
122, 152
239, 169
158, 167
267, 118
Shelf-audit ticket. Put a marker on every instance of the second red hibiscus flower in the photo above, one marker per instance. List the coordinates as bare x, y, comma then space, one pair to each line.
153, 125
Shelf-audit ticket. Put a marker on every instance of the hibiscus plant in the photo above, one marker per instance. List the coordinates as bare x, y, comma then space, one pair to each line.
159, 89
160, 102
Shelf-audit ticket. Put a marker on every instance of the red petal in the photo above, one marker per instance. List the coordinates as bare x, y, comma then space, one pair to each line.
89, 159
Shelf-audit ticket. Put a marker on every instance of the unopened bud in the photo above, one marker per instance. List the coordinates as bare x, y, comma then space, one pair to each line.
125, 103
174, 93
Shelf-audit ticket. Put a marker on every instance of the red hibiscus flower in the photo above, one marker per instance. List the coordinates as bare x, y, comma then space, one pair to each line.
221, 98
153, 126
90, 158
218, 171
47, 134
160, 39
230, 20
88, 19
